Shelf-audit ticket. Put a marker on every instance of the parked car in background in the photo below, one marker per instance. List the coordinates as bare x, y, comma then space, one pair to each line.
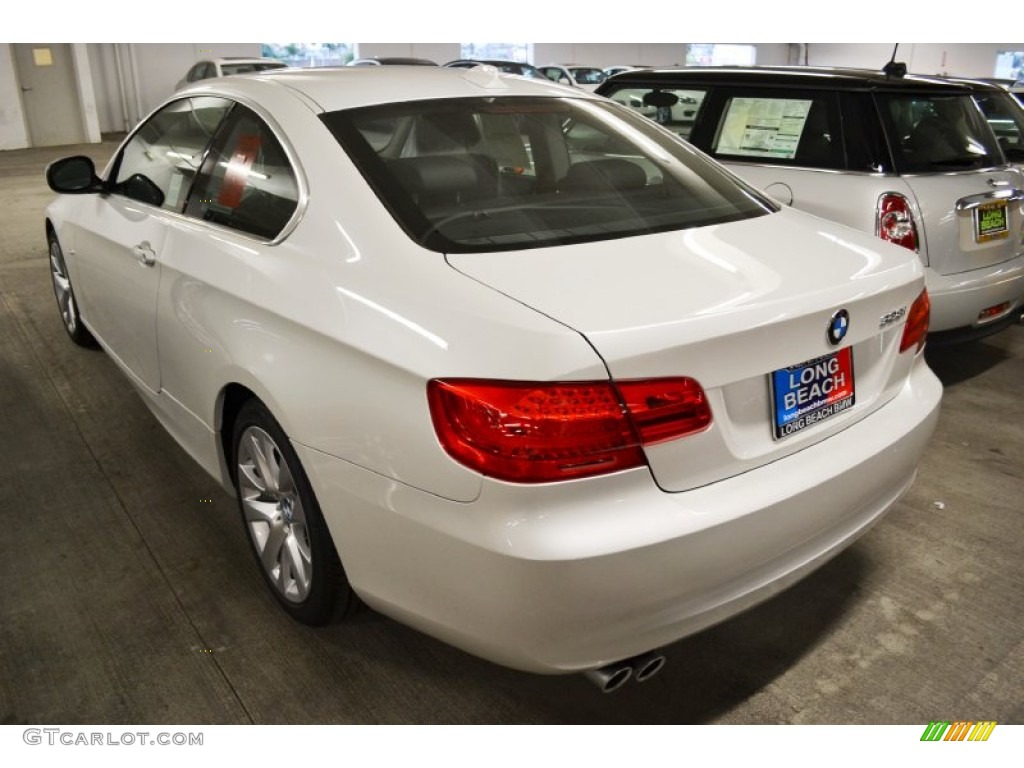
228, 65
510, 363
576, 75
403, 61
508, 67
1004, 114
909, 159
616, 68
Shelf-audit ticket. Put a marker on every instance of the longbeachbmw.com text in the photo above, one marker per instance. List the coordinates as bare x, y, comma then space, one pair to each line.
60, 737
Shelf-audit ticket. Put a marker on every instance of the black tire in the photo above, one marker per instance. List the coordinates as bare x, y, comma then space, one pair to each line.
67, 305
290, 540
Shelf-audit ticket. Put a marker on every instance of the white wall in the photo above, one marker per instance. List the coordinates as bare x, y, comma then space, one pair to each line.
13, 133
13, 129
161, 65
111, 108
964, 59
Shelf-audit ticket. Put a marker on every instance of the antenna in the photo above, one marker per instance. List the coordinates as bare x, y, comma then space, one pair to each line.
895, 68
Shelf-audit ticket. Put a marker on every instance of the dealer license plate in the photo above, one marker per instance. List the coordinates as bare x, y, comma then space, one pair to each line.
805, 394
990, 221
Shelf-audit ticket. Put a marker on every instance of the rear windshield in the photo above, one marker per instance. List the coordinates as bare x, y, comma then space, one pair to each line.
587, 75
938, 133
246, 67
496, 174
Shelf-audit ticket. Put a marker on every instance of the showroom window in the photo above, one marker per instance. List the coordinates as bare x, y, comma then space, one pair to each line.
160, 162
310, 54
507, 51
1010, 65
247, 182
719, 55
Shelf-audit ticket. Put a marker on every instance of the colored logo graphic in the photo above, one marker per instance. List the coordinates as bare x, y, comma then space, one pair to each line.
838, 326
960, 730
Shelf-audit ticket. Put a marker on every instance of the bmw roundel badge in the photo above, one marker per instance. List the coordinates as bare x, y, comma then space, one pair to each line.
838, 326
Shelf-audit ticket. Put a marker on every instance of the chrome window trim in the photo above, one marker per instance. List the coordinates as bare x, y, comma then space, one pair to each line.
725, 160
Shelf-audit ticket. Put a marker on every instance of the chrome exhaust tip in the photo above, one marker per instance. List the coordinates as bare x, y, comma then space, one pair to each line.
611, 677
646, 666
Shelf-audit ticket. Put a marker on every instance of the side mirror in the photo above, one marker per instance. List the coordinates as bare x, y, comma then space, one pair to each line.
73, 176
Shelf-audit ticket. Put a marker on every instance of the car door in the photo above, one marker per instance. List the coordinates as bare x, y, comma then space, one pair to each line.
245, 201
121, 235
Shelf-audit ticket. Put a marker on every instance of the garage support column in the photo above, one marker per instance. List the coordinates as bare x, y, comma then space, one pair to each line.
13, 132
86, 93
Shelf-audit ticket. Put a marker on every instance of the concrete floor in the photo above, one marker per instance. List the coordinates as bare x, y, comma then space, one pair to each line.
128, 595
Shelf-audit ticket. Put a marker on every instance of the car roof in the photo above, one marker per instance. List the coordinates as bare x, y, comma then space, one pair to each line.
824, 77
334, 88
978, 84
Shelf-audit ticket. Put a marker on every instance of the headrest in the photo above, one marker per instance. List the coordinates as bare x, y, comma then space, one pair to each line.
601, 174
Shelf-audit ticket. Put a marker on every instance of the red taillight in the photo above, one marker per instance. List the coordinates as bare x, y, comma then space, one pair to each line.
538, 432
895, 222
916, 329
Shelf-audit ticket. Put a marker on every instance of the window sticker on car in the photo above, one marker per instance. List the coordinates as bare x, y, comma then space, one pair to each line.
758, 127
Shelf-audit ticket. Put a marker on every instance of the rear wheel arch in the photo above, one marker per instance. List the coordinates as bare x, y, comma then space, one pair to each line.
324, 593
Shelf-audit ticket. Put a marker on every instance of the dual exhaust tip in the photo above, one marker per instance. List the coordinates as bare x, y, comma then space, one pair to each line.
639, 668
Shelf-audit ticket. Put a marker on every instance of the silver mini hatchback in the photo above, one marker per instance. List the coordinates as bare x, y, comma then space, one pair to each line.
911, 159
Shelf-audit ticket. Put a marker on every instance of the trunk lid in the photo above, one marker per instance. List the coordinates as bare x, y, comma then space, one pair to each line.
971, 220
727, 305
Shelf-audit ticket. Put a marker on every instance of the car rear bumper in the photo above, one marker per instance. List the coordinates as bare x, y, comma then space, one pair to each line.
958, 299
573, 576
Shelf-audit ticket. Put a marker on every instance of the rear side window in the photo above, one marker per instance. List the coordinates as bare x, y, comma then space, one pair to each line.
499, 174
247, 182
938, 133
1006, 118
588, 75
674, 108
798, 128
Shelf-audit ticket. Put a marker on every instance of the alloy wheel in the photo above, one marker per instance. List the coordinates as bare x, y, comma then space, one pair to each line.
274, 514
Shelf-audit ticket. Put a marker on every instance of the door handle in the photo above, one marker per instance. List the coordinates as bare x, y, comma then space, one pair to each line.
24, 89
145, 254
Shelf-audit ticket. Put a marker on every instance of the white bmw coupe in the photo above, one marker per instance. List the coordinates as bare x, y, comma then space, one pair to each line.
513, 365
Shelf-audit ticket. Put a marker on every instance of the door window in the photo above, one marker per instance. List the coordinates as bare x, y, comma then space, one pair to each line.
158, 165
247, 182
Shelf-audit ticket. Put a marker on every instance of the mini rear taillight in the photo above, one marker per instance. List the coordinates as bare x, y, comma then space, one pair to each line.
916, 329
895, 221
538, 432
